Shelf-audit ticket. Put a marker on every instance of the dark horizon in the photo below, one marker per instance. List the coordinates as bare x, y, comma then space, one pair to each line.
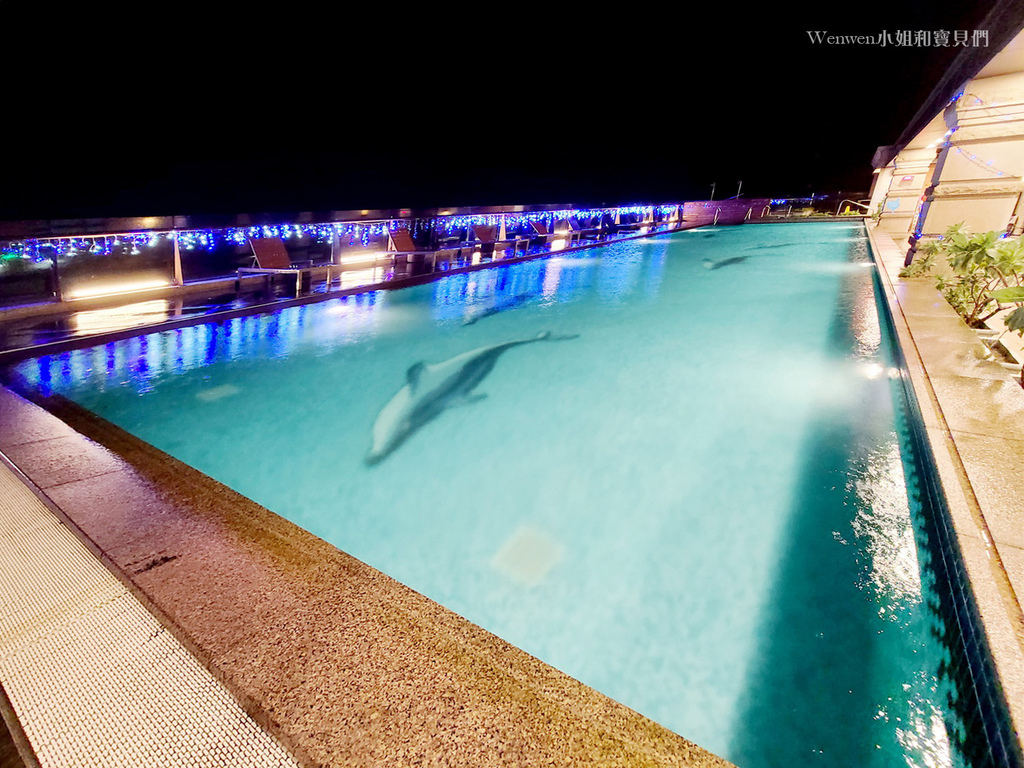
629, 112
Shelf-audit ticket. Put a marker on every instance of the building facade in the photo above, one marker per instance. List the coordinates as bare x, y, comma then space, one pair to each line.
966, 164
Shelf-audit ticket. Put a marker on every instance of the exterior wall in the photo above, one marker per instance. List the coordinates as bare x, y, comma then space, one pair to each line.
980, 213
907, 178
880, 187
982, 174
974, 173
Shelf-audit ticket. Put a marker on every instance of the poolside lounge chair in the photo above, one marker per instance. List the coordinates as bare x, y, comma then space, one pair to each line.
542, 231
401, 242
270, 258
578, 232
630, 224
490, 245
408, 258
487, 235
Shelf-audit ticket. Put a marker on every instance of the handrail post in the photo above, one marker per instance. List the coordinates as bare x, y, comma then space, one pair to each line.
178, 278
58, 294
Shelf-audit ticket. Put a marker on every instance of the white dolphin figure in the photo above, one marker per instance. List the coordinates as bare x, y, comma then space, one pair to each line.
430, 390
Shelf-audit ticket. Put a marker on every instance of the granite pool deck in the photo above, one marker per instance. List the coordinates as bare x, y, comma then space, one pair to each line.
94, 677
973, 413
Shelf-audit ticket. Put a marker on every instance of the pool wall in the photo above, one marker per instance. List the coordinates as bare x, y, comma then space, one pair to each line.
968, 412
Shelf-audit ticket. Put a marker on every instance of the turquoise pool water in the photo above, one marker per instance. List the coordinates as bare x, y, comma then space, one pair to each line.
674, 468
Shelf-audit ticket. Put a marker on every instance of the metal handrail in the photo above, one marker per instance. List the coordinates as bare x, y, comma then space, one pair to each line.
847, 200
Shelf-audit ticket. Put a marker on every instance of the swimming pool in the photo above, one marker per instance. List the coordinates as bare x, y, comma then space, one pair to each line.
686, 485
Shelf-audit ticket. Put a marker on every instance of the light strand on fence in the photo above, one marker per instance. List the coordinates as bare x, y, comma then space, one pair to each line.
41, 249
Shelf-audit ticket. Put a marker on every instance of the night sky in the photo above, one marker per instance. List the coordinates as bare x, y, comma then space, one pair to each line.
377, 107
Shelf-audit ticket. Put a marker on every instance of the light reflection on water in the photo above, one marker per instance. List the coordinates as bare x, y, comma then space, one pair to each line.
892, 575
349, 320
141, 360
925, 739
883, 512
883, 523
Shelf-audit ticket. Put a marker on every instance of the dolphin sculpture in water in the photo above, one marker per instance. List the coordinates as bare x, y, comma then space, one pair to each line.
709, 264
519, 300
432, 389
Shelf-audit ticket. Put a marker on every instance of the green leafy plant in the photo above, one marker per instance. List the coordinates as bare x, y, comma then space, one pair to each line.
1015, 320
922, 264
981, 263
11, 264
988, 275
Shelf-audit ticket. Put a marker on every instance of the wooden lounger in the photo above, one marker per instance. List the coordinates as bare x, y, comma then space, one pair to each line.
271, 258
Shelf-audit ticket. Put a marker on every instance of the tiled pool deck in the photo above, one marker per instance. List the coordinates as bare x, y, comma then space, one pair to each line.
347, 667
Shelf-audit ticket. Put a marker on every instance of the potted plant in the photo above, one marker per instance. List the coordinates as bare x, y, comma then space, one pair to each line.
988, 274
1015, 320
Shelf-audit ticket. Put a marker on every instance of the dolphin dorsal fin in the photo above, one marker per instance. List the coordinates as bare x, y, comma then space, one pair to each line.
412, 376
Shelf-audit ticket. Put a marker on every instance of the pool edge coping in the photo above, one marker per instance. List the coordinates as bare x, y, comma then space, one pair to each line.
996, 596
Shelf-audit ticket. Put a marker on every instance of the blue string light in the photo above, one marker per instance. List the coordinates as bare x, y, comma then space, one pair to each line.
42, 249
986, 164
